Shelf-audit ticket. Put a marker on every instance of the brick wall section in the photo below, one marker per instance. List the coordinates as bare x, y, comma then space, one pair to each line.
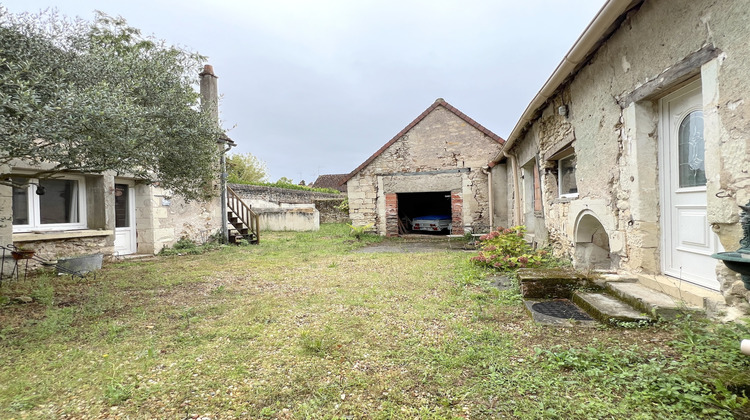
391, 214
457, 209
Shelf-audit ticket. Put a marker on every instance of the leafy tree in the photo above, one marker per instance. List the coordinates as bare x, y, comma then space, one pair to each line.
285, 180
246, 169
98, 96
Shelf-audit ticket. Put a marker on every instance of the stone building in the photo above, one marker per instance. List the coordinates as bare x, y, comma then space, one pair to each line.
332, 181
105, 213
434, 166
634, 155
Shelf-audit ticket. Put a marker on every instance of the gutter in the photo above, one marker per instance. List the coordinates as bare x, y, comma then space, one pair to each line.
581, 49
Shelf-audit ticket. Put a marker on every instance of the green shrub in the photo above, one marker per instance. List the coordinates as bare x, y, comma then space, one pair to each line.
288, 186
359, 231
185, 246
506, 249
344, 206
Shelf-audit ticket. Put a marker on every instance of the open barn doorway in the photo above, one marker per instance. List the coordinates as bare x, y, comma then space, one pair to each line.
425, 212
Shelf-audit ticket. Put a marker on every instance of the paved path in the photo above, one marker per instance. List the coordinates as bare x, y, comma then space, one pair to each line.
410, 245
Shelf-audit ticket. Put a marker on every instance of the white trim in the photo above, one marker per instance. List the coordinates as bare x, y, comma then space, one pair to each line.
674, 254
56, 235
127, 234
559, 179
34, 213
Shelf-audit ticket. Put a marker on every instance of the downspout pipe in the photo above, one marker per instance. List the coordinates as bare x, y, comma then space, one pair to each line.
583, 46
516, 187
487, 171
226, 146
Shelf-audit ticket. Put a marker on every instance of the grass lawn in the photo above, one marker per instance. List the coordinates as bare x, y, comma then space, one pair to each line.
303, 327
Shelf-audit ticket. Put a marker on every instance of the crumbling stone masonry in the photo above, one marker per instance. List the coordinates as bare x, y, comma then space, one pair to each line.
442, 151
607, 119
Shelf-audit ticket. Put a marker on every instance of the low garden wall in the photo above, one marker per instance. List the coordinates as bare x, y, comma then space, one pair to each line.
263, 199
293, 219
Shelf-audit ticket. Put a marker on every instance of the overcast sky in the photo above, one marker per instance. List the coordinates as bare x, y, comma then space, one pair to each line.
316, 87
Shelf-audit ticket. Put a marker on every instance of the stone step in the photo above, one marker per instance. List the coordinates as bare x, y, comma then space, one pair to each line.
549, 283
601, 279
651, 301
608, 309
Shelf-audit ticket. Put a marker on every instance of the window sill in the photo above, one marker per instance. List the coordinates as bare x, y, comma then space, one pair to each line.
564, 199
59, 234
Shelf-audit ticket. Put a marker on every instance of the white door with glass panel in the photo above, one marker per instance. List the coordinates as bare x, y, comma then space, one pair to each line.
687, 238
125, 239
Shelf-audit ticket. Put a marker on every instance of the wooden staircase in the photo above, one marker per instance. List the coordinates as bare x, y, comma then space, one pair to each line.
244, 222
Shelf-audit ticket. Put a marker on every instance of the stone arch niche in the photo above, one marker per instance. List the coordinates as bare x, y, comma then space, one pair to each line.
591, 243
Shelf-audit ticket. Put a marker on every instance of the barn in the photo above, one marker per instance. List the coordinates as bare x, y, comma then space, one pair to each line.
435, 168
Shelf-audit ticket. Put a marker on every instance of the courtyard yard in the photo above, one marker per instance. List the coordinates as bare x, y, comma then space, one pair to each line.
303, 326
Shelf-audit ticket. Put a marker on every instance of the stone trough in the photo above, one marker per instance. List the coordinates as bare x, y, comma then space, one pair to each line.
614, 300
553, 283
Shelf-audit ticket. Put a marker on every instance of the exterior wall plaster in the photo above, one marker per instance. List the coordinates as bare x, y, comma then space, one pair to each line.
500, 188
290, 219
616, 143
441, 141
161, 220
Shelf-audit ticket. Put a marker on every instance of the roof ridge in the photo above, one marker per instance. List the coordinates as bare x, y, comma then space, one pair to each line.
438, 102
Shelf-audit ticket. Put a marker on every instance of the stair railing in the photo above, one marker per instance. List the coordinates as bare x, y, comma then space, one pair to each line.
244, 213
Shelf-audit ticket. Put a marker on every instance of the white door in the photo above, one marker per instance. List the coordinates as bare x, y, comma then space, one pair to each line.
687, 238
125, 240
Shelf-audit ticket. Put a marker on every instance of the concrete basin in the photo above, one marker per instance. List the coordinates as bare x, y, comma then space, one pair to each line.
737, 261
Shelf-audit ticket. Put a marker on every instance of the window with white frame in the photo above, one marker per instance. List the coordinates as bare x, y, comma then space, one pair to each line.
49, 204
566, 176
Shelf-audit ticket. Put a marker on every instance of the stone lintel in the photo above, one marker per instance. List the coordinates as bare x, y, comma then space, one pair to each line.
57, 235
683, 70
444, 171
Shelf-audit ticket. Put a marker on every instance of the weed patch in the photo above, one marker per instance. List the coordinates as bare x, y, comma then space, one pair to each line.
302, 327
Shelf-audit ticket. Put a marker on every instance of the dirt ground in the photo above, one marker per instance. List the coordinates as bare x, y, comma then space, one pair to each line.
413, 243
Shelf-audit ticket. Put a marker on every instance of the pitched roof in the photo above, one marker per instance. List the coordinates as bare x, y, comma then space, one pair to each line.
332, 181
606, 21
438, 102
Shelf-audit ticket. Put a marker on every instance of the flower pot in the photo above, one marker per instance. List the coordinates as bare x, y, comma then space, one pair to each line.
22, 254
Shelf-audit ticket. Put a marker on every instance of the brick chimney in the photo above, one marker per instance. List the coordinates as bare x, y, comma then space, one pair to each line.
209, 92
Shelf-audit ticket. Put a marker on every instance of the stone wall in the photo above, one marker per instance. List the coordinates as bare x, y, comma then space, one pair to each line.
51, 250
442, 152
289, 219
162, 219
329, 210
6, 215
261, 197
613, 126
